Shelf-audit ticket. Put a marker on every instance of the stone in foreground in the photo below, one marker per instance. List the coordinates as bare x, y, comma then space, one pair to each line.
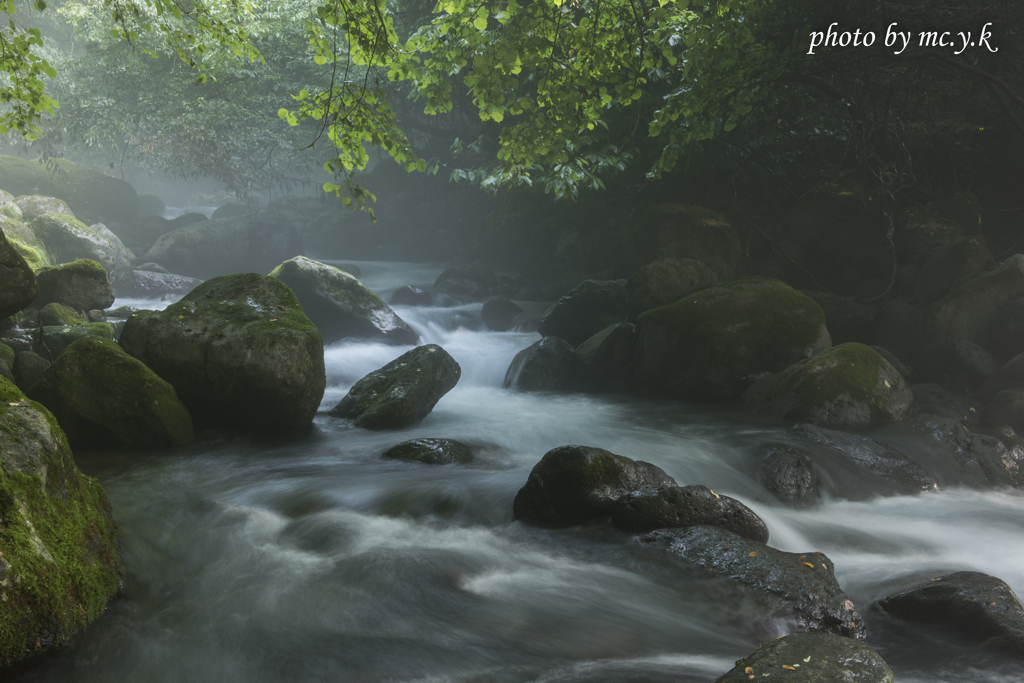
238, 351
431, 451
83, 285
811, 658
60, 562
576, 484
403, 392
659, 507
99, 395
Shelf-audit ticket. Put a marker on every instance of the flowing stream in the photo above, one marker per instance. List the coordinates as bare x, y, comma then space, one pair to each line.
310, 558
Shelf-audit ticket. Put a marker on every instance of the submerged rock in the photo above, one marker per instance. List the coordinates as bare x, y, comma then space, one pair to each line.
978, 606
431, 451
238, 350
546, 365
587, 309
99, 394
576, 484
811, 658
83, 285
403, 392
799, 589
658, 507
341, 306
60, 563
788, 473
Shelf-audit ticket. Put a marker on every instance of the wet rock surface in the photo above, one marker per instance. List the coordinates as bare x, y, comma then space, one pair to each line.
811, 658
547, 365
658, 507
587, 309
789, 473
431, 451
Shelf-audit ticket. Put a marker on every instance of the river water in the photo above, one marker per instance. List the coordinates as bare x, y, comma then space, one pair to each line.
309, 558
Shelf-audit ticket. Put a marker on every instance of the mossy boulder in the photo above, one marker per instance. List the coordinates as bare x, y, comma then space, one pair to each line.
145, 284
28, 368
257, 242
711, 342
67, 239
587, 309
14, 227
546, 365
849, 384
403, 392
659, 507
84, 190
576, 484
83, 285
59, 337
238, 350
35, 257
33, 206
99, 395
340, 305
431, 451
59, 315
799, 590
18, 287
665, 282
60, 563
811, 658
7, 355
683, 231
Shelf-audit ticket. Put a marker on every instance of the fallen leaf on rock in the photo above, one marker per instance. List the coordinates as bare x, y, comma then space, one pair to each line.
753, 553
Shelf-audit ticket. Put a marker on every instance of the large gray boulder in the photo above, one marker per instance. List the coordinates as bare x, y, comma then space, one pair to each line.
712, 342
659, 507
83, 285
238, 351
403, 392
849, 384
587, 309
257, 242
35, 205
340, 305
67, 239
664, 282
798, 590
61, 561
546, 365
18, 286
811, 658
146, 284
99, 395
576, 484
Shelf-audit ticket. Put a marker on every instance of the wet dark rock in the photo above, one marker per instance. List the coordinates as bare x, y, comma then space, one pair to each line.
431, 451
683, 231
28, 369
547, 365
905, 372
1007, 332
466, 280
664, 282
896, 327
6, 372
976, 605
659, 507
1009, 376
499, 312
903, 475
849, 384
800, 589
1005, 408
576, 484
933, 399
607, 356
587, 309
984, 461
407, 295
811, 658
847, 319
403, 392
789, 474
82, 285
975, 362
18, 286
148, 284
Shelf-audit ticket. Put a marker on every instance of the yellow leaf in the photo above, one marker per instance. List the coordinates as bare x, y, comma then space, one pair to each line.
787, 666
809, 565
749, 670
753, 553
887, 383
715, 494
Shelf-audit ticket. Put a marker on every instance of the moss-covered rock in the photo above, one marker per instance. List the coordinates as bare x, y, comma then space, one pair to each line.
9, 209
576, 484
402, 392
67, 239
86, 191
59, 337
849, 384
711, 342
665, 282
811, 658
587, 309
99, 394
35, 205
238, 350
60, 563
659, 507
682, 231
340, 305
431, 451
18, 286
7, 355
59, 315
28, 368
15, 227
83, 285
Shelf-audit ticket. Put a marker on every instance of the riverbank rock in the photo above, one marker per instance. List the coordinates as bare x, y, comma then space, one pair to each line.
799, 590
208, 248
984, 461
99, 394
431, 451
238, 351
684, 232
587, 309
18, 286
147, 284
849, 384
468, 281
575, 484
340, 305
789, 474
658, 507
811, 658
499, 313
403, 392
711, 342
546, 365
86, 191
978, 606
60, 563
82, 285
59, 314
67, 239
895, 471
664, 282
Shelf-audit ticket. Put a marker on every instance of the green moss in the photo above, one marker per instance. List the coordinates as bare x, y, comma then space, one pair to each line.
59, 314
36, 257
80, 267
304, 273
7, 355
